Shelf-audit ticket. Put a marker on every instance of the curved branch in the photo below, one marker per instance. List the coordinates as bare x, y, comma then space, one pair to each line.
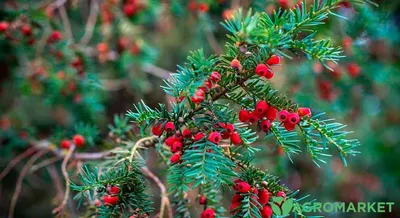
15, 161
21, 176
67, 181
164, 198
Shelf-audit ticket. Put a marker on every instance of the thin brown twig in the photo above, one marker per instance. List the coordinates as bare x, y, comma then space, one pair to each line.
164, 198
213, 41
67, 25
16, 160
67, 182
94, 10
56, 180
21, 176
44, 163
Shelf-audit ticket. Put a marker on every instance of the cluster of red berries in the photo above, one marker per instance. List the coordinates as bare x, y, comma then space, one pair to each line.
132, 7
199, 95
176, 141
26, 30
112, 197
263, 70
326, 90
78, 140
263, 197
228, 132
264, 114
194, 6
289, 120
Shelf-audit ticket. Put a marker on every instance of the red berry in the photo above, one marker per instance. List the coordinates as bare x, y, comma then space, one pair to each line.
289, 126
97, 203
170, 141
269, 74
293, 118
78, 140
198, 136
283, 115
169, 126
261, 107
111, 200
3, 26
265, 125
55, 36
115, 190
243, 187
236, 139
234, 206
304, 111
214, 137
65, 144
177, 146
208, 213
244, 115
354, 70
271, 113
225, 135
157, 129
230, 128
208, 84
284, 3
263, 196
192, 6
266, 212
186, 133
129, 10
202, 7
281, 194
237, 198
202, 200
253, 117
26, 30
215, 77
175, 158
262, 70
235, 64
198, 96
273, 60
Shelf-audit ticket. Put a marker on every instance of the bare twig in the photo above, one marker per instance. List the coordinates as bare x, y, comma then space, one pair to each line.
140, 143
60, 208
21, 176
94, 10
44, 163
16, 160
65, 20
56, 180
164, 198
213, 41
58, 3
156, 71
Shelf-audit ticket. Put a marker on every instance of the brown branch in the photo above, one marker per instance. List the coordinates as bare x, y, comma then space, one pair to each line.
21, 176
213, 41
44, 163
16, 160
60, 208
156, 71
94, 10
164, 198
67, 25
56, 180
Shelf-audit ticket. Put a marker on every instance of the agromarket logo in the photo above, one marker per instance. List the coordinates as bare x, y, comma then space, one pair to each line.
282, 208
